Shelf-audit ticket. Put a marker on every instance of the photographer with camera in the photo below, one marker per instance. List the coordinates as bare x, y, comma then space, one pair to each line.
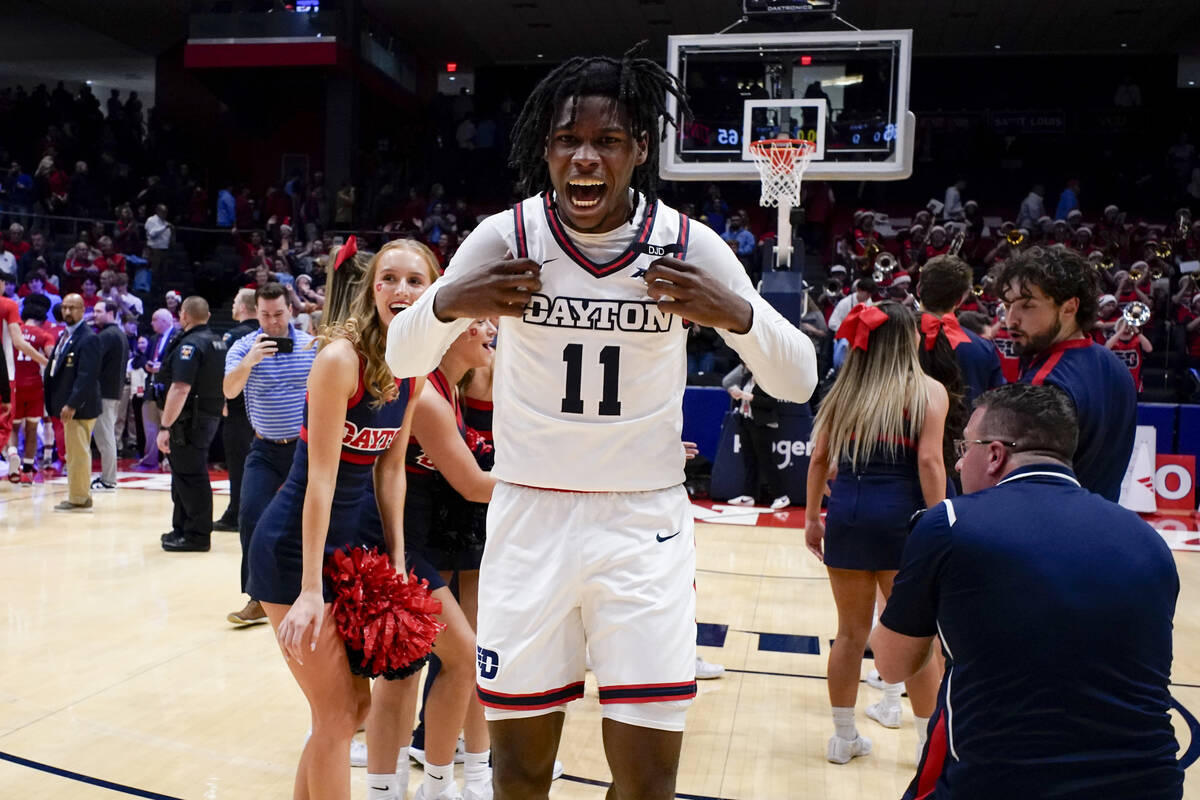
191, 412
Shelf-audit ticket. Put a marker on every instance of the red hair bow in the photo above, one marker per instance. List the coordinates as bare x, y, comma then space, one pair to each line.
859, 323
347, 250
948, 324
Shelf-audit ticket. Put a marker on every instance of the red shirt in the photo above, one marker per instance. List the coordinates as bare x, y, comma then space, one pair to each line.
28, 371
1130, 353
115, 262
19, 249
1184, 315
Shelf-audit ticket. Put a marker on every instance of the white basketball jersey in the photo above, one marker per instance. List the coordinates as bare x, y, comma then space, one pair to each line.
589, 382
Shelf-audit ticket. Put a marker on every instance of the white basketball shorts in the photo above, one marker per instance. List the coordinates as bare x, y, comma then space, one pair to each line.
610, 571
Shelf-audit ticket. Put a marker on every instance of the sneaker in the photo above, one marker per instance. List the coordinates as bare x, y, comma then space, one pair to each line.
449, 793
741, 500
27, 477
14, 470
874, 681
783, 501
253, 614
480, 792
67, 505
358, 748
417, 754
225, 527
98, 485
840, 750
558, 770
706, 671
886, 715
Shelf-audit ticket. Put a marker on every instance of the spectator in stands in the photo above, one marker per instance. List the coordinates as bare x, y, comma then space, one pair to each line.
1032, 208
109, 258
129, 306
20, 189
159, 233
36, 257
740, 238
172, 301
90, 291
1107, 316
226, 207
128, 236
38, 284
346, 199
952, 209
714, 211
1068, 200
864, 292
16, 240
8, 261
79, 262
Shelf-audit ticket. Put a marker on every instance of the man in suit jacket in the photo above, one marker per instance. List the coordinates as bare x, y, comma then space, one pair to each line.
73, 393
160, 344
114, 358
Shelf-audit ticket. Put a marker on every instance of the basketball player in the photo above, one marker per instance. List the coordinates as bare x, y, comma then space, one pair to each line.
1050, 305
29, 402
589, 533
12, 341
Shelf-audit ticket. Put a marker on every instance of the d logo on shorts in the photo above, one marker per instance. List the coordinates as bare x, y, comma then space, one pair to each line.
488, 661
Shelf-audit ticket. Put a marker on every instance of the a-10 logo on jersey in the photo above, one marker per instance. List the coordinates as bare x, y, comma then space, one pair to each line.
1006, 347
637, 316
371, 440
1130, 358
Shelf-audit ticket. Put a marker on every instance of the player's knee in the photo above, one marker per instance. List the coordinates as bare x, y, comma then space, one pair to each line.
853, 637
515, 775
650, 782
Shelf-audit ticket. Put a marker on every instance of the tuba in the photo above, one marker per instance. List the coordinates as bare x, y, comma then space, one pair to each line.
977, 290
1136, 275
1015, 238
884, 264
1163, 250
1136, 314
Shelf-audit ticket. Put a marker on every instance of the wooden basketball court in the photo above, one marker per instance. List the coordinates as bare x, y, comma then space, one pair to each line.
119, 674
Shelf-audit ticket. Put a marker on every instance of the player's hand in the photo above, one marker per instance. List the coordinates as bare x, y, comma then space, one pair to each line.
163, 440
499, 289
301, 628
680, 288
814, 534
67, 414
261, 348
690, 450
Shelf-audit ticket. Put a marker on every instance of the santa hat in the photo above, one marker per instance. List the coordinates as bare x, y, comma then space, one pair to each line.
1110, 207
1106, 298
837, 268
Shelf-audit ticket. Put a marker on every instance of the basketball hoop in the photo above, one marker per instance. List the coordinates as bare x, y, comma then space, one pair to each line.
781, 164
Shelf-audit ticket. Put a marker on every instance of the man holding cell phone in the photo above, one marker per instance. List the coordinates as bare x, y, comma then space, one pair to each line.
270, 367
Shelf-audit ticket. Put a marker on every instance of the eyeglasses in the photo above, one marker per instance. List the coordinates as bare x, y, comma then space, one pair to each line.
961, 446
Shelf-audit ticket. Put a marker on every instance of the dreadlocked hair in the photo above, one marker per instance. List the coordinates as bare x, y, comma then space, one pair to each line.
638, 85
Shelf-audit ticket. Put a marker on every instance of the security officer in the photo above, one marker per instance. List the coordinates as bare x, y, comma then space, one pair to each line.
193, 370
236, 431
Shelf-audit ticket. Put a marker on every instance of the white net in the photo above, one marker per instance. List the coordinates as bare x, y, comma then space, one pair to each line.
781, 165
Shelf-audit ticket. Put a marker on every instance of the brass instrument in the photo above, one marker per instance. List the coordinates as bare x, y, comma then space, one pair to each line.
1136, 314
1163, 250
1015, 238
956, 243
1156, 272
883, 265
1107, 263
977, 290
1136, 275
1181, 232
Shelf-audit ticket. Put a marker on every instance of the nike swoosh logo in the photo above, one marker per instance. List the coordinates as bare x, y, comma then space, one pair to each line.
381, 788
662, 538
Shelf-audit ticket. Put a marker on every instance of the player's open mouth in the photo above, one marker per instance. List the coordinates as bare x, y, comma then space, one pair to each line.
585, 192
396, 308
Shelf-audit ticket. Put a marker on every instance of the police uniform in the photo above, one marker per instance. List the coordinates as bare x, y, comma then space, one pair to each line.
1054, 609
236, 432
197, 358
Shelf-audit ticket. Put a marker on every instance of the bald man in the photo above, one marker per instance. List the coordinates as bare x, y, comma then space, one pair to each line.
73, 394
165, 333
193, 373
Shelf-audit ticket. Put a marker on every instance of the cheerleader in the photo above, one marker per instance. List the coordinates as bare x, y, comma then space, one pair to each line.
882, 427
357, 422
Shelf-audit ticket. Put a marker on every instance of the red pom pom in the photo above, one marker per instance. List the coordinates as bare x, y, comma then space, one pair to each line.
388, 625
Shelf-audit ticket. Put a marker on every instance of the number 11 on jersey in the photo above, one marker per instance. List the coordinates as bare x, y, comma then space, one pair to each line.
610, 362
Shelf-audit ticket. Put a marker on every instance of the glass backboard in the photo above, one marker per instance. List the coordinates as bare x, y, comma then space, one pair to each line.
845, 91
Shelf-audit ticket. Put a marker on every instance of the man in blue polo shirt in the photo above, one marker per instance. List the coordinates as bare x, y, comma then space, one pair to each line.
1050, 305
1054, 607
274, 382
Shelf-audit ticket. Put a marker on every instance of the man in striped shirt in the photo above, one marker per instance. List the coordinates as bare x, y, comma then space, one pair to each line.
273, 380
